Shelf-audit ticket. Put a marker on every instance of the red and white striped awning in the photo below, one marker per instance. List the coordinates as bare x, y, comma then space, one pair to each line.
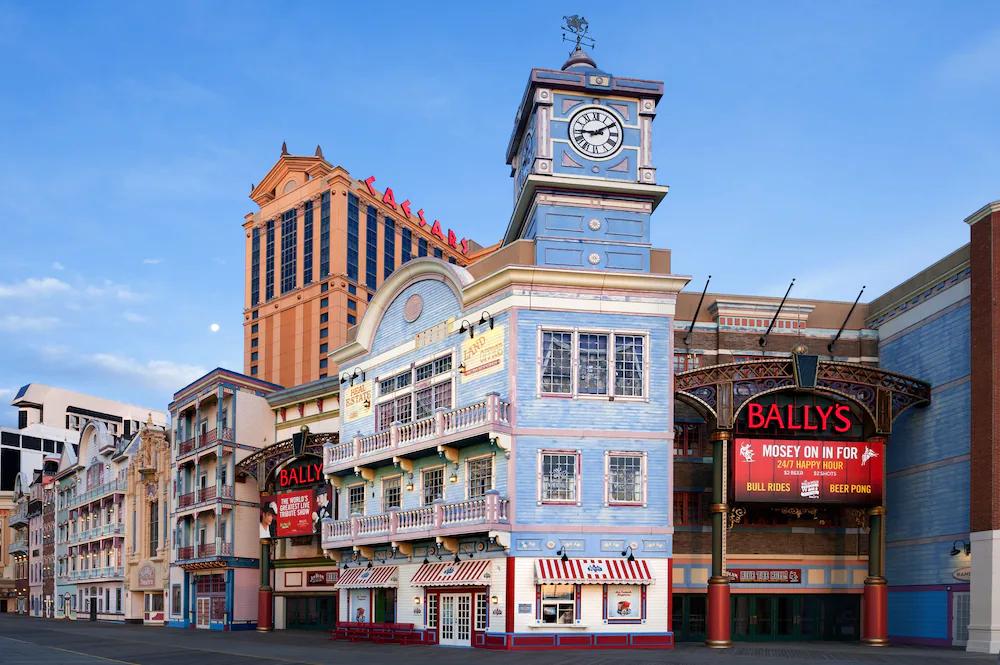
379, 577
593, 571
465, 573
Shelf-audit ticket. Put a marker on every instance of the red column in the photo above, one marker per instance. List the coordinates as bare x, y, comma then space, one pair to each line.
875, 603
265, 596
511, 603
718, 584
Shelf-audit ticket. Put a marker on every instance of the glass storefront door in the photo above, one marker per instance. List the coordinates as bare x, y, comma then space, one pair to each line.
310, 612
766, 617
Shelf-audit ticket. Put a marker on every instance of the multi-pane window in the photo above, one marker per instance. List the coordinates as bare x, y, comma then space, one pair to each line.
422, 247
688, 508
417, 401
482, 612
352, 304
559, 477
269, 261
371, 248
406, 249
593, 364
324, 235
389, 248
480, 476
289, 249
686, 361
593, 372
433, 485
356, 499
558, 603
688, 439
353, 223
557, 362
629, 365
625, 478
154, 527
391, 494
307, 244
432, 610
438, 254
255, 267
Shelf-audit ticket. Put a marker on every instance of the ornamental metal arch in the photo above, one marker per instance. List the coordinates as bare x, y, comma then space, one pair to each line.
262, 464
720, 392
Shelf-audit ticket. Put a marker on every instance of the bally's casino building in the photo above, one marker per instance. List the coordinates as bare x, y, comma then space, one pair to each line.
558, 445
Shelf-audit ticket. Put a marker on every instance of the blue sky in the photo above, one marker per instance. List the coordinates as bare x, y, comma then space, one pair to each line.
839, 143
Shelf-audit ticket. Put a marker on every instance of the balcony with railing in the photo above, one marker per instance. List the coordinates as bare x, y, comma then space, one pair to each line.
18, 546
485, 513
204, 495
20, 516
96, 533
204, 551
110, 488
445, 426
106, 572
205, 440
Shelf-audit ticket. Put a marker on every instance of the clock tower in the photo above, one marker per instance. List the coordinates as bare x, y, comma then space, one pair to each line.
581, 159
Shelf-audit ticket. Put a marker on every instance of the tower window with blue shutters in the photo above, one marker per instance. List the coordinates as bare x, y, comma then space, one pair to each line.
353, 223
289, 250
371, 248
307, 244
324, 235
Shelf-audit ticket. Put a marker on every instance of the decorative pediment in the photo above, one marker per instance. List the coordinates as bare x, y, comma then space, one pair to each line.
289, 173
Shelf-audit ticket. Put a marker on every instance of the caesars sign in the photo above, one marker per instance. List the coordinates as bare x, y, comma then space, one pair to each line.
301, 501
800, 470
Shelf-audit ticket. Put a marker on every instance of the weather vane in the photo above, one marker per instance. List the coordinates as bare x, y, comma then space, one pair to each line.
579, 27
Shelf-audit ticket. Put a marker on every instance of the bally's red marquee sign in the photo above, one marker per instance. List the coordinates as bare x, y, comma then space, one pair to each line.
803, 471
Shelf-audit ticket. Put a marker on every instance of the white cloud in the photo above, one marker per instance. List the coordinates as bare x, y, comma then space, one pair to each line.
109, 289
976, 63
17, 323
58, 266
152, 262
133, 317
34, 287
160, 374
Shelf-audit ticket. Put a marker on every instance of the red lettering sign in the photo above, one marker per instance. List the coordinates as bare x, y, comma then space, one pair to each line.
765, 575
804, 471
807, 417
389, 198
294, 476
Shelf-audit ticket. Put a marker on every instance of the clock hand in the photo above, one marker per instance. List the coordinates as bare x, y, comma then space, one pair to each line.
599, 131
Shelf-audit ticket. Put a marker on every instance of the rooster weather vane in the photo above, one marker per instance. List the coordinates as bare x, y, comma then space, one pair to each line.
578, 27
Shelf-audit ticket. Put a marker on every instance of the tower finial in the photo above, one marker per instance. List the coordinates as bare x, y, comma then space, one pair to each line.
284, 148
578, 26
319, 151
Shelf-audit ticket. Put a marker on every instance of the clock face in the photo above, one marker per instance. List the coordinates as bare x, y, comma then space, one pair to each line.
595, 133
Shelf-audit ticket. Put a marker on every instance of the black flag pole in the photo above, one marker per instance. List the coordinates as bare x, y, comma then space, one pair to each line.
697, 311
829, 347
763, 338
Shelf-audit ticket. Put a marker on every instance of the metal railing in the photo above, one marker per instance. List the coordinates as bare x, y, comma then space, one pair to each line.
488, 509
112, 487
491, 411
208, 438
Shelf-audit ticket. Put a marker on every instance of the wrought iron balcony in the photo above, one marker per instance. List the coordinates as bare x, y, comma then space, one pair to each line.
101, 491
97, 532
20, 516
487, 512
205, 440
204, 551
204, 495
403, 438
18, 546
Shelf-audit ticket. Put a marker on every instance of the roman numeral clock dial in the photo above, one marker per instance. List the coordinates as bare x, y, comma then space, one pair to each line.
595, 133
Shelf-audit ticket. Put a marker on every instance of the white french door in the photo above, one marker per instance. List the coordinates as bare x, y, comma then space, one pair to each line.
455, 619
204, 612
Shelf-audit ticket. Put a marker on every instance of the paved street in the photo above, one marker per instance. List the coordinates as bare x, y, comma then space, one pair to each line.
31, 641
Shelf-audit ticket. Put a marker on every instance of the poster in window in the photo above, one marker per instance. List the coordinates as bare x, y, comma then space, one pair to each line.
360, 600
295, 513
624, 603
483, 354
358, 401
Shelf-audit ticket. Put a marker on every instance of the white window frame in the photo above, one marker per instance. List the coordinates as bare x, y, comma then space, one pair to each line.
444, 482
540, 498
543, 602
364, 498
395, 476
468, 475
612, 333
415, 386
644, 477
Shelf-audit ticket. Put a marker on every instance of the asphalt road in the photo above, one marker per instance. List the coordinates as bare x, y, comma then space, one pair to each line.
32, 641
